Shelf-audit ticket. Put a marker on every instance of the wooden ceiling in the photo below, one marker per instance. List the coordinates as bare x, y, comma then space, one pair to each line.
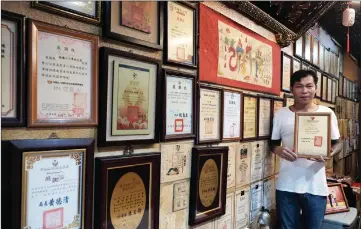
331, 21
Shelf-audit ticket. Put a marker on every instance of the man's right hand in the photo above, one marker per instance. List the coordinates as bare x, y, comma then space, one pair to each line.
285, 153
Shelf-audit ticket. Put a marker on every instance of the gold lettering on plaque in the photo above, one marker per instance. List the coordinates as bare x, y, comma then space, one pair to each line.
128, 202
208, 183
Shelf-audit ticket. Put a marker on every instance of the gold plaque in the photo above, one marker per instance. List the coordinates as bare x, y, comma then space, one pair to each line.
128, 202
208, 182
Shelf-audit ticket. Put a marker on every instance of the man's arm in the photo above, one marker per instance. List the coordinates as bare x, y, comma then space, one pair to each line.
274, 143
282, 152
336, 146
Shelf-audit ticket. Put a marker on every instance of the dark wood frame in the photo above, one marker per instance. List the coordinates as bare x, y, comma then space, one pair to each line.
18, 147
312, 52
107, 33
66, 12
174, 73
295, 59
319, 83
195, 35
320, 49
270, 117
256, 118
34, 27
303, 47
322, 87
344, 197
199, 115
286, 96
283, 101
283, 55
326, 114
103, 95
19, 120
340, 85
333, 93
329, 79
240, 121
103, 164
194, 184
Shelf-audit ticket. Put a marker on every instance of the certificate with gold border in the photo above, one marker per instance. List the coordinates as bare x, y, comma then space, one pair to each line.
312, 137
249, 116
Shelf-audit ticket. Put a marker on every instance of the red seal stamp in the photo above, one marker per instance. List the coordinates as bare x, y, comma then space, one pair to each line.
53, 218
178, 125
318, 141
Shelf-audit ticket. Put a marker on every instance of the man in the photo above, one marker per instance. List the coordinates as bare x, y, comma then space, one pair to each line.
301, 182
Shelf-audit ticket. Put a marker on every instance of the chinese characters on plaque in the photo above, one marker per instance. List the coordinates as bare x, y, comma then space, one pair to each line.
231, 115
249, 117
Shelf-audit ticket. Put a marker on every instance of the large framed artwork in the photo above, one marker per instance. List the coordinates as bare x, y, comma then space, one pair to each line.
208, 184
135, 22
127, 190
12, 69
63, 71
179, 105
129, 102
181, 33
235, 56
52, 183
209, 115
87, 11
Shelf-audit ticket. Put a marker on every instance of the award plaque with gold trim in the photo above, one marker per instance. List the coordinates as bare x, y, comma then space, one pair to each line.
127, 190
52, 183
208, 184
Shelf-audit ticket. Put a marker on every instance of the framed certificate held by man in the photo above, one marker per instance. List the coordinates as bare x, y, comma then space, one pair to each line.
312, 137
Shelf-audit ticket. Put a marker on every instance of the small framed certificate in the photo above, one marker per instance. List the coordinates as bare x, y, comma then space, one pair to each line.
178, 106
296, 65
12, 69
307, 53
249, 117
181, 33
312, 137
52, 183
289, 100
286, 72
324, 88
277, 103
298, 47
210, 115
208, 184
336, 199
63, 71
231, 115
264, 117
315, 53
319, 84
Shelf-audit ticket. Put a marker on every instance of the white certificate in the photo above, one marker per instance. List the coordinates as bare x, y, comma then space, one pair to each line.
264, 117
175, 161
242, 208
269, 161
296, 65
226, 221
180, 33
9, 68
209, 114
257, 161
256, 196
231, 115
64, 77
329, 89
286, 73
269, 193
243, 164
319, 76
179, 105
53, 189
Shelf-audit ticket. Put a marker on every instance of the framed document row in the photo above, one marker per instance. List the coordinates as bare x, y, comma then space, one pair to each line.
181, 33
127, 190
311, 138
12, 69
350, 89
89, 11
179, 105
63, 71
52, 183
139, 23
208, 184
129, 100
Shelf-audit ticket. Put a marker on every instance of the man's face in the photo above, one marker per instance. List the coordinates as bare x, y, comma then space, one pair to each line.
304, 90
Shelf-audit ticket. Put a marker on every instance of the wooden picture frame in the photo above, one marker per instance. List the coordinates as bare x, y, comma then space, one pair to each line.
225, 119
307, 55
261, 112
289, 100
296, 65
209, 172
14, 116
337, 190
113, 130
179, 116
286, 73
115, 30
244, 102
315, 140
315, 51
298, 48
42, 156
43, 115
64, 11
340, 85
209, 127
167, 35
275, 107
139, 175
324, 88
319, 84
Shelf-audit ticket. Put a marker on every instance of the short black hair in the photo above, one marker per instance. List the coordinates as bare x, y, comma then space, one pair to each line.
297, 76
